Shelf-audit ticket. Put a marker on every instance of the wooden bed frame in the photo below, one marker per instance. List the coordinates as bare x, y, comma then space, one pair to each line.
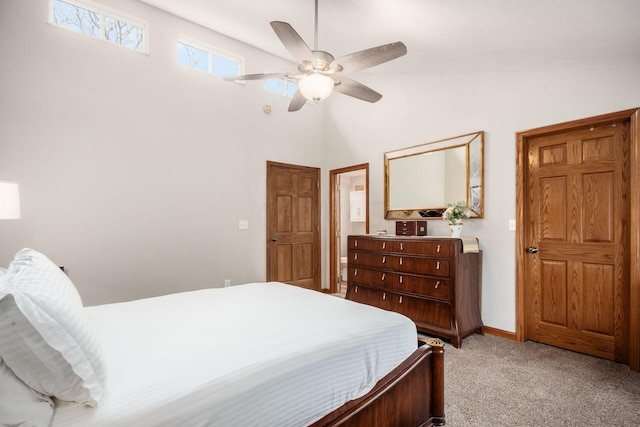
410, 395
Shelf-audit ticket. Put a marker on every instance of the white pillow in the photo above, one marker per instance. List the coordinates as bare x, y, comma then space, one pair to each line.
44, 336
20, 405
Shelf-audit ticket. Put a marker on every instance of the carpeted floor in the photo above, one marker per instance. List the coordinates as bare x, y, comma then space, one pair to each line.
491, 381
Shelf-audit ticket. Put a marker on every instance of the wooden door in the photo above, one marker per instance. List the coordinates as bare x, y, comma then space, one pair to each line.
576, 216
293, 225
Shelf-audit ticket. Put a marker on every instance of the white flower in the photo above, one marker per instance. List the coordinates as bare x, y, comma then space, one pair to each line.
455, 212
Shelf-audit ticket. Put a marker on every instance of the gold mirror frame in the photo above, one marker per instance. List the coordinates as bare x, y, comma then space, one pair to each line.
471, 144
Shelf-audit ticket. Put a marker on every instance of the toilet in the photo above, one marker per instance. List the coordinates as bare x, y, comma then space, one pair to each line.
343, 268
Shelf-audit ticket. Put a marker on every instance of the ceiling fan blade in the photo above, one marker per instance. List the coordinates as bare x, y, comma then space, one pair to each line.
369, 57
297, 102
266, 76
356, 89
293, 42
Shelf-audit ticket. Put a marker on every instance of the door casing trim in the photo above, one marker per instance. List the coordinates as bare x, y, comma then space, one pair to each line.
333, 174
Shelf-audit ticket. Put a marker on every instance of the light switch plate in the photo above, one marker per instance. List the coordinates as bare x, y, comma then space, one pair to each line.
512, 225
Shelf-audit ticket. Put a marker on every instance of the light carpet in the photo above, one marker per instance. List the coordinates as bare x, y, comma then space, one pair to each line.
492, 381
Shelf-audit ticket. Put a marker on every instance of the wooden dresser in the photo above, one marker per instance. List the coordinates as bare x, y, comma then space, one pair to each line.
428, 279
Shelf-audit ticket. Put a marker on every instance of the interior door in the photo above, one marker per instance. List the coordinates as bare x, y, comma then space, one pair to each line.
576, 216
293, 225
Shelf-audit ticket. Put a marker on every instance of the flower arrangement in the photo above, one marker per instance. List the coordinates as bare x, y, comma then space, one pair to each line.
455, 212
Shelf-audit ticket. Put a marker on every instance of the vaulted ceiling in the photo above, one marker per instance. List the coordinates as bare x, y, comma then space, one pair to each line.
441, 35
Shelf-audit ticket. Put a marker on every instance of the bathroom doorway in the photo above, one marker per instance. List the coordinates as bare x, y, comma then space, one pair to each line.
349, 206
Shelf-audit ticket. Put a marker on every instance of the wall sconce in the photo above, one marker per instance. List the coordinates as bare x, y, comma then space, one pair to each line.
9, 200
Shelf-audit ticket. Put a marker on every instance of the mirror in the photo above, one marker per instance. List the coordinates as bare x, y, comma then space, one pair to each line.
420, 181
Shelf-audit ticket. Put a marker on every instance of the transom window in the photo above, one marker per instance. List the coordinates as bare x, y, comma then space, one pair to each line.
284, 87
209, 60
95, 22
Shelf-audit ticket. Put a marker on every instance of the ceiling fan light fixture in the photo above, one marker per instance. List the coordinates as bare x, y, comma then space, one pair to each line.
319, 73
316, 87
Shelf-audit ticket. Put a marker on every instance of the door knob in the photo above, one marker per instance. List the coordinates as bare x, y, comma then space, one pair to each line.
532, 250
274, 239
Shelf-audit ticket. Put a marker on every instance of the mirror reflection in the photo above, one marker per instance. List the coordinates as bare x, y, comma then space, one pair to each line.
420, 181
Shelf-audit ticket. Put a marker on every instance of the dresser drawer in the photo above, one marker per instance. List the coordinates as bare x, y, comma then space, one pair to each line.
427, 286
426, 247
423, 311
370, 296
371, 259
375, 278
364, 244
419, 310
418, 265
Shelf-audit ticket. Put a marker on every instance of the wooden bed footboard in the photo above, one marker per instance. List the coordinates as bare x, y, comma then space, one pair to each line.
410, 395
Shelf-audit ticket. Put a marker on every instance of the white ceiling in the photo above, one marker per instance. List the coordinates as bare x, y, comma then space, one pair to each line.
441, 35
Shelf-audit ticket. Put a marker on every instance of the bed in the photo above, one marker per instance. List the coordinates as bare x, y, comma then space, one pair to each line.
254, 354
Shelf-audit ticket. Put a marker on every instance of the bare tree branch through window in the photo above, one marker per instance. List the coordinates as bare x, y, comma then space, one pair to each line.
97, 23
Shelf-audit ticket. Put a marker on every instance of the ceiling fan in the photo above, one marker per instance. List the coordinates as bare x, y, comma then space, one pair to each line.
319, 73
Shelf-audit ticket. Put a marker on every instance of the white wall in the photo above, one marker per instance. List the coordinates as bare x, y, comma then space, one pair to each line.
134, 170
419, 108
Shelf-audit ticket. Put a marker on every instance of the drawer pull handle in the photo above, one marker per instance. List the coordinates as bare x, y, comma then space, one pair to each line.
384, 259
438, 248
400, 260
437, 284
438, 265
384, 245
384, 296
401, 246
400, 299
400, 279
355, 272
383, 276
355, 257
356, 289
355, 243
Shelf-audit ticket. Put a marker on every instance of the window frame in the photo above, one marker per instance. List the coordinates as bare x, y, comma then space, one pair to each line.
211, 52
104, 11
285, 93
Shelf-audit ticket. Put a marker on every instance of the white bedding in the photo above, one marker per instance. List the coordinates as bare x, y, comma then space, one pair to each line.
264, 354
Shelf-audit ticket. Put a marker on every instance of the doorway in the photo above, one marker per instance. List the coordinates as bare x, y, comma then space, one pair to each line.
293, 225
349, 207
577, 245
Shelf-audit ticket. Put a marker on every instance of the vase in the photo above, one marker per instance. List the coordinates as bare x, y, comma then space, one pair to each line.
456, 229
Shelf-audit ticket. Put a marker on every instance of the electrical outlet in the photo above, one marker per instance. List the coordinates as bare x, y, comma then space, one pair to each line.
243, 224
227, 283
